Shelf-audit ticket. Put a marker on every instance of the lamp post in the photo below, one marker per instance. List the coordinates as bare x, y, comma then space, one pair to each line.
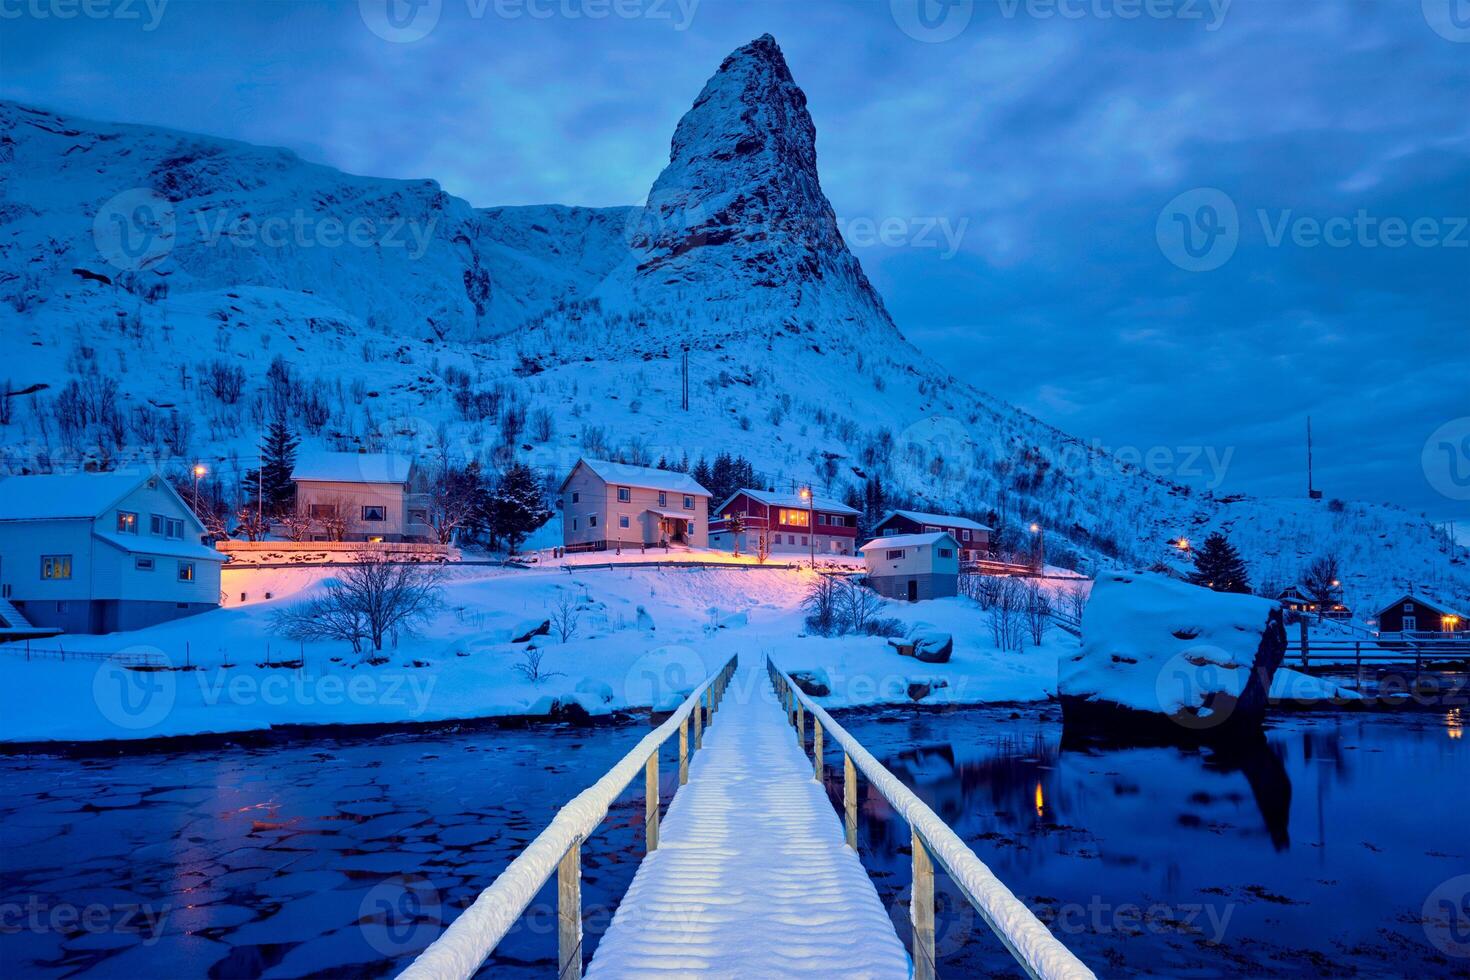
811, 522
1040, 546
199, 471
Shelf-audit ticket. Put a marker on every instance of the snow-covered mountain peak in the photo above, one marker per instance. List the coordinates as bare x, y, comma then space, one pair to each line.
738, 215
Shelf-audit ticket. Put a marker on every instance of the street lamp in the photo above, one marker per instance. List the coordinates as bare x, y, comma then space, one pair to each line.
811, 522
1040, 546
199, 471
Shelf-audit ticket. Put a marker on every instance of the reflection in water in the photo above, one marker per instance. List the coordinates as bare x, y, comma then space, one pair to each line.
1314, 844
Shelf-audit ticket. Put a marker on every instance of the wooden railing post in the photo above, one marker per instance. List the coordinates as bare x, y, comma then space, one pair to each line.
849, 799
1306, 644
569, 914
800, 724
817, 748
650, 801
698, 728
683, 751
1358, 663
921, 910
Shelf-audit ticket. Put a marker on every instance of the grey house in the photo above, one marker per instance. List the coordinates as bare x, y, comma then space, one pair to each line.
616, 505
914, 566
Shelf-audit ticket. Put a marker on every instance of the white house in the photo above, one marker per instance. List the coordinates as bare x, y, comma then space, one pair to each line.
616, 505
914, 566
361, 496
102, 552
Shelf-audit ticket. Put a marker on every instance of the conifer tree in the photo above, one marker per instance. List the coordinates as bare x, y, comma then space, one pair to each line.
1218, 566
278, 459
517, 507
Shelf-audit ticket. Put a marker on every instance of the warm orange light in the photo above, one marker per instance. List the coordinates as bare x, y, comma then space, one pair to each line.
1035, 528
805, 494
199, 469
1183, 544
1040, 800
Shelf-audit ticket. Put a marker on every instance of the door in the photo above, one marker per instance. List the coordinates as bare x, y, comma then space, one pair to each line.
913, 590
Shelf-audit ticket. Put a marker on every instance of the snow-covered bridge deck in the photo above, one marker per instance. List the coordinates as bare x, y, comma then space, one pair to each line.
752, 875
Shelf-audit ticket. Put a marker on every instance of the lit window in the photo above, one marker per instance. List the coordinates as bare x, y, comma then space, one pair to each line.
127, 522
55, 566
143, 564
794, 518
374, 512
625, 494
186, 571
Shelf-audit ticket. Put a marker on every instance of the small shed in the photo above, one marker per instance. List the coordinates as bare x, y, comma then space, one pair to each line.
914, 566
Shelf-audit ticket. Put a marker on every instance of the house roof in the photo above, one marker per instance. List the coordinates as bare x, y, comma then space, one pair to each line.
65, 496
793, 500
325, 467
1421, 600
627, 474
164, 547
910, 540
942, 520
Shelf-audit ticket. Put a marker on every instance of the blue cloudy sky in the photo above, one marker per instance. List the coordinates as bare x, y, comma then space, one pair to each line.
1044, 163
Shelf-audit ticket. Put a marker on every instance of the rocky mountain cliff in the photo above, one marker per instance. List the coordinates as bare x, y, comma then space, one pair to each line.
142, 269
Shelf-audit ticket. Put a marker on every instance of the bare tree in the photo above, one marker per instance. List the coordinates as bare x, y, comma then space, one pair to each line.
821, 605
857, 605
1036, 606
248, 524
223, 379
1074, 600
455, 495
374, 592
1006, 629
530, 665
331, 515
297, 524
564, 616
1322, 581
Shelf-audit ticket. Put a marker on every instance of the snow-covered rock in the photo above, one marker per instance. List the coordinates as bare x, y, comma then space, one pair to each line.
528, 628
1162, 655
813, 682
735, 621
645, 619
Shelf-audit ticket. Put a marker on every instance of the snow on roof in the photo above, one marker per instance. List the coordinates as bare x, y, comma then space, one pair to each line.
909, 540
64, 496
144, 545
794, 500
941, 520
642, 476
352, 467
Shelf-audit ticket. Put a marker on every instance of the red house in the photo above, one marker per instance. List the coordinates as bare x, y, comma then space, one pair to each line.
973, 537
792, 523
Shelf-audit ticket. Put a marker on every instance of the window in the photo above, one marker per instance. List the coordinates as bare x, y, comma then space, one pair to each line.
155, 524
186, 571
622, 520
143, 564
175, 528
574, 524
56, 566
688, 527
625, 495
1411, 623
591, 520
821, 518
576, 497
374, 512
688, 502
804, 541
946, 552
894, 554
127, 522
931, 528
1408, 607
793, 518
663, 498
965, 535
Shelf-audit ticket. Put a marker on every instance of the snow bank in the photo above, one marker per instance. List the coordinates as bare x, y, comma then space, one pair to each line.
1154, 645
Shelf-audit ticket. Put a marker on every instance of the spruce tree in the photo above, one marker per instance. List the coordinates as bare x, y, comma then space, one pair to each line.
278, 459
517, 507
1218, 566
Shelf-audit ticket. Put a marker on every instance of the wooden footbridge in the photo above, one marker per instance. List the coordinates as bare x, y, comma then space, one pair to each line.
751, 872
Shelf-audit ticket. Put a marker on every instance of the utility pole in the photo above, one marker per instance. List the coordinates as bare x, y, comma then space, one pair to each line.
684, 378
1312, 492
811, 522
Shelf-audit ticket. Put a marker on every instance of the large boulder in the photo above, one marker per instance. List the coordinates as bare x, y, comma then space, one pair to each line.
527, 628
927, 645
1160, 657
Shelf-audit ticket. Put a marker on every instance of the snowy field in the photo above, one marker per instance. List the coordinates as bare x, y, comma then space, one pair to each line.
460, 665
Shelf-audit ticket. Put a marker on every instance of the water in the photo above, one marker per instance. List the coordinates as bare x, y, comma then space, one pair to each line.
342, 858
1314, 852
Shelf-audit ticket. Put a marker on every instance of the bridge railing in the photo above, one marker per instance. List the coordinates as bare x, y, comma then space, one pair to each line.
472, 937
1029, 941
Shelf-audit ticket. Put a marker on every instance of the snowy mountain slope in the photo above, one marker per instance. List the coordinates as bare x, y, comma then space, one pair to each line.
547, 331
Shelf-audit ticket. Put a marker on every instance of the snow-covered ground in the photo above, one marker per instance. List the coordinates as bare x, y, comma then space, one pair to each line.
461, 664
